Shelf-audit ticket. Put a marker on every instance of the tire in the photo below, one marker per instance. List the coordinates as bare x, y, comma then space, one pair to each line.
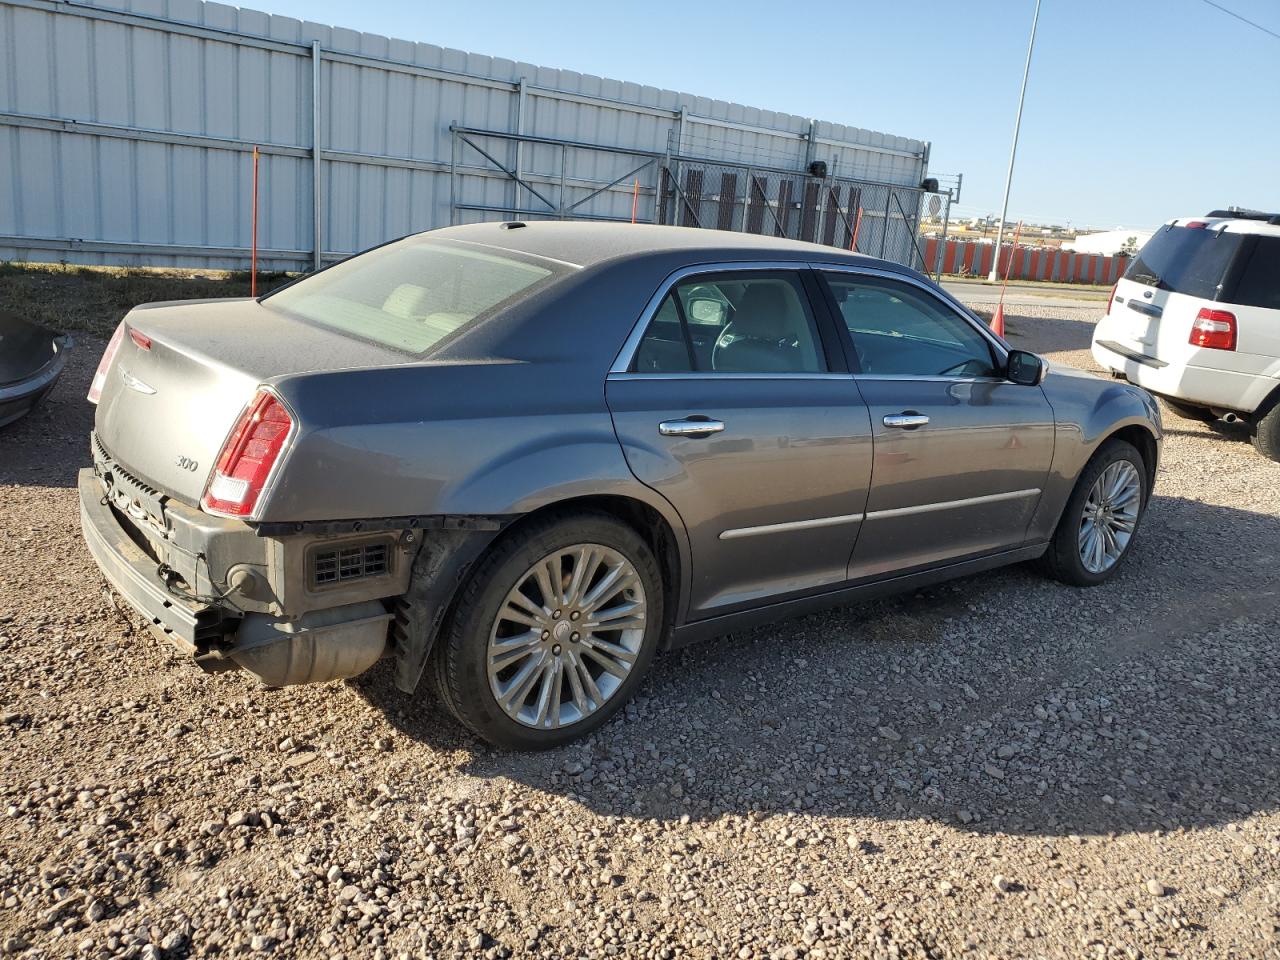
1189, 411
1064, 560
1266, 434
560, 653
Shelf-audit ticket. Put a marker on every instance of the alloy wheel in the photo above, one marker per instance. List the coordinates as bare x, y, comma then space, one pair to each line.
566, 636
1110, 516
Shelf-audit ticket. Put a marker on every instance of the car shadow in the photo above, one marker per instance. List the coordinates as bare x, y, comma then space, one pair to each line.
35, 450
999, 703
1217, 430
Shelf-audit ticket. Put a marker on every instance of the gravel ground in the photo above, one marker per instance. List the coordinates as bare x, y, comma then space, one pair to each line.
998, 767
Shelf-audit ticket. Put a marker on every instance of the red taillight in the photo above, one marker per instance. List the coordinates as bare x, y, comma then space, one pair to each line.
109, 354
1214, 329
141, 339
1196, 225
247, 457
1112, 298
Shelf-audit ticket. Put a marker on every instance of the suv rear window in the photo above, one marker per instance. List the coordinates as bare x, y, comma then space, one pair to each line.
411, 294
1186, 260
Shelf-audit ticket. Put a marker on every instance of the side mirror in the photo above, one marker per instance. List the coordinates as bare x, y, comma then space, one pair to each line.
1025, 368
706, 310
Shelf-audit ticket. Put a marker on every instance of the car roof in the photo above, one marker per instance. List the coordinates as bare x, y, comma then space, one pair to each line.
1219, 220
588, 244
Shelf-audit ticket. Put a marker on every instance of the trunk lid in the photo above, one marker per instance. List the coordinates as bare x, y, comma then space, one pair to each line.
173, 394
1152, 321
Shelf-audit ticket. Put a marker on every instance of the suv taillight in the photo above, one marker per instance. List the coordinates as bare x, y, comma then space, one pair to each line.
1112, 298
109, 354
247, 457
1214, 329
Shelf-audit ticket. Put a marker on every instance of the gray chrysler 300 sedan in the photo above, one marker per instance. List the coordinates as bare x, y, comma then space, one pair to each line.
520, 459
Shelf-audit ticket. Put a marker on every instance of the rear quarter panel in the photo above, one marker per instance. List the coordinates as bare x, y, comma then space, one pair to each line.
497, 437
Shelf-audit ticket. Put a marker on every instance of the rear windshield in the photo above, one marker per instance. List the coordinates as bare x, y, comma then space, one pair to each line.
411, 294
1186, 260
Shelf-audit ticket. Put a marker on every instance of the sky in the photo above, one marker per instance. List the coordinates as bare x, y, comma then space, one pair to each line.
1136, 110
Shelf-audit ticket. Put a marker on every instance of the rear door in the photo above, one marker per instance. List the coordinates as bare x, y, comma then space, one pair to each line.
734, 406
961, 454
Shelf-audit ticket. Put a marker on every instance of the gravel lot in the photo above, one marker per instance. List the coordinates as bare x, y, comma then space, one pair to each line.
999, 767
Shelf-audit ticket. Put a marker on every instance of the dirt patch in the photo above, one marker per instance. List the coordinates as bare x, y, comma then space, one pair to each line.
94, 299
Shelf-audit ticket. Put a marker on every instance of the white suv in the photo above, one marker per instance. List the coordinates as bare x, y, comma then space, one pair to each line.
1196, 320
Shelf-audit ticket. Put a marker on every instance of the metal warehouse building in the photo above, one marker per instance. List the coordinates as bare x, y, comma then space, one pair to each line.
127, 133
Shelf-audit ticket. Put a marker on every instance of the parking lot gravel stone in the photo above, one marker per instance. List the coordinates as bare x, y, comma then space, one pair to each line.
996, 767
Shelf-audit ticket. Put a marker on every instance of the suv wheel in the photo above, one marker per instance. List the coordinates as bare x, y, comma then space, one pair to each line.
552, 633
1101, 517
1266, 434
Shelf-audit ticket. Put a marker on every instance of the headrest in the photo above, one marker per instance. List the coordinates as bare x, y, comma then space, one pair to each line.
763, 312
408, 301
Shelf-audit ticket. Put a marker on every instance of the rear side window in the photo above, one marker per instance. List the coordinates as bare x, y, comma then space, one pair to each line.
1186, 260
411, 294
1259, 283
756, 322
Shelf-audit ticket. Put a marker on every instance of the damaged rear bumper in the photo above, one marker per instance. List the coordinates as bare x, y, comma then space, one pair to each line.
317, 645
190, 625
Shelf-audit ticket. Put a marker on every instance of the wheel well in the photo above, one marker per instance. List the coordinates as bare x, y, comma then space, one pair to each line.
651, 525
1265, 407
1141, 439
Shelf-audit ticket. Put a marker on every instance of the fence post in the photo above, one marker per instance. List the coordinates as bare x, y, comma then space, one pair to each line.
942, 247
317, 253
884, 229
253, 232
519, 167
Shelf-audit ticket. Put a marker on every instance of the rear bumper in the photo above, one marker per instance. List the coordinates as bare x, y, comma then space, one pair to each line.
189, 625
320, 645
1211, 387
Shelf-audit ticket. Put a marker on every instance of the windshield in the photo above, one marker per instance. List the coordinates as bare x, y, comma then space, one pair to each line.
1188, 260
410, 294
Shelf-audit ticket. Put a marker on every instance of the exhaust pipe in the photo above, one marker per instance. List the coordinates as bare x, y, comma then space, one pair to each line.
1233, 417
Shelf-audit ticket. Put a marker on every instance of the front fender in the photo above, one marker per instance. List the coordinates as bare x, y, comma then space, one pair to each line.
1087, 410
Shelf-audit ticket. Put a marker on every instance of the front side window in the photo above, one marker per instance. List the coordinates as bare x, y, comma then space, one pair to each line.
752, 322
900, 330
411, 294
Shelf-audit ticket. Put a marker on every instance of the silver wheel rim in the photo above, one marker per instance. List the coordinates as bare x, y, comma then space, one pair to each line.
1110, 516
566, 636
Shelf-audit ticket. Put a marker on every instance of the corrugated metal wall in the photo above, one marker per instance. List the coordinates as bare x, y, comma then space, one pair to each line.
127, 129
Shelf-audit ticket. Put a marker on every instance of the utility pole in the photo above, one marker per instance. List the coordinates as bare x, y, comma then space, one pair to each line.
1013, 151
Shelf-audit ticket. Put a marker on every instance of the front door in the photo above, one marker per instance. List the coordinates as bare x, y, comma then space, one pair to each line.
736, 411
961, 454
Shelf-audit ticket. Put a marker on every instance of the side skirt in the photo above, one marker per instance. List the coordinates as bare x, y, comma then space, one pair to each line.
715, 626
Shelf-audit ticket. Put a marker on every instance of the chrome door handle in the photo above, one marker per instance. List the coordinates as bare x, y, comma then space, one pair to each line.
906, 421
689, 427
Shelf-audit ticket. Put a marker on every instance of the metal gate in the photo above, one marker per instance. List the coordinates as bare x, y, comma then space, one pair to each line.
873, 218
545, 180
